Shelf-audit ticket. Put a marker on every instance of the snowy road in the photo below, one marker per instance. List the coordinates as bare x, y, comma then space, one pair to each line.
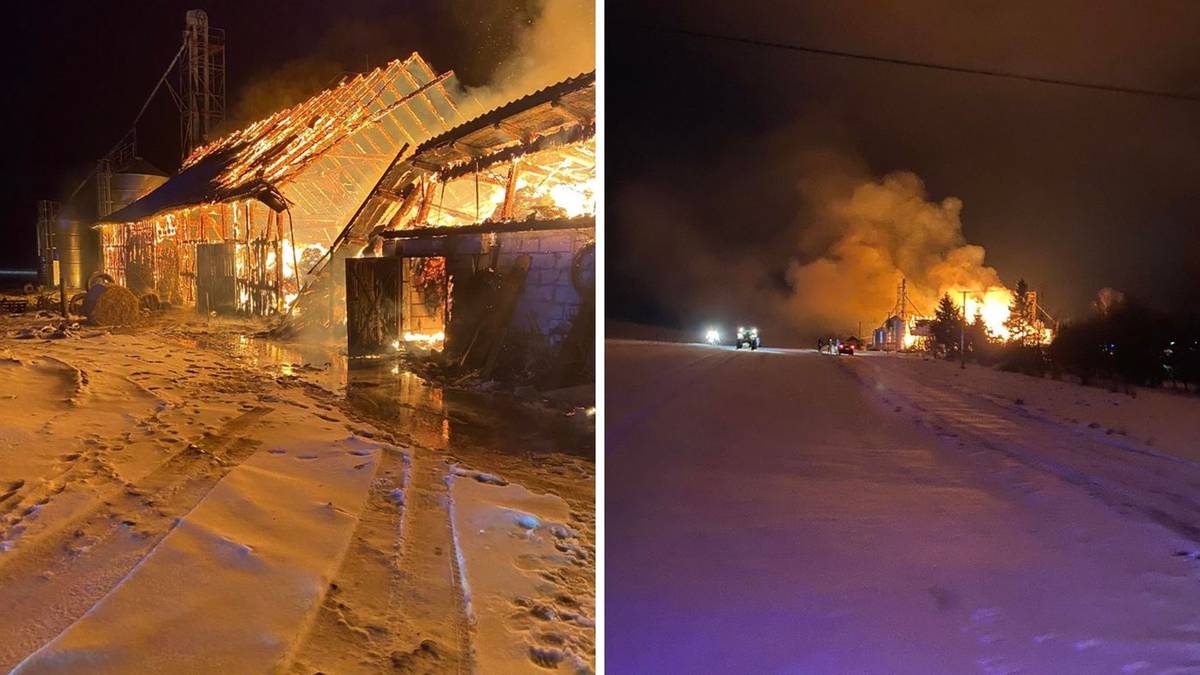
793, 512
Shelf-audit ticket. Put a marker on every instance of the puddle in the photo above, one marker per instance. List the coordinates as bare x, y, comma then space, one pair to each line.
382, 391
461, 419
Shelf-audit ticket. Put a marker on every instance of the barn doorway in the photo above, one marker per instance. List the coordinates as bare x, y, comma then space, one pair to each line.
216, 282
425, 302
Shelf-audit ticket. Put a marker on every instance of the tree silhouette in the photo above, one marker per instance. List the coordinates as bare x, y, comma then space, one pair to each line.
946, 324
1020, 317
978, 335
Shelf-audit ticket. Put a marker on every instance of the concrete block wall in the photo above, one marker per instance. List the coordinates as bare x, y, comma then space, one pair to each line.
550, 301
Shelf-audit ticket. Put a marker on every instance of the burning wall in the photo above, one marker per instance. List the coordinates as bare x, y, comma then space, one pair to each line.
504, 204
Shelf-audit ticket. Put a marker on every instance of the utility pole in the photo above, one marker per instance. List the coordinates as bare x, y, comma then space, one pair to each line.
962, 334
901, 313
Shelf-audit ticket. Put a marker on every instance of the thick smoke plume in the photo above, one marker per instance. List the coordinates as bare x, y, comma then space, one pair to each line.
881, 232
834, 268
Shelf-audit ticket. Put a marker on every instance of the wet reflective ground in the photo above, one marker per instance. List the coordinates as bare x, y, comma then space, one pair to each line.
387, 393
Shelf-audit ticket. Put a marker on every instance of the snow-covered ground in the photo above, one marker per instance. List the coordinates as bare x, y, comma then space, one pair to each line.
793, 512
186, 497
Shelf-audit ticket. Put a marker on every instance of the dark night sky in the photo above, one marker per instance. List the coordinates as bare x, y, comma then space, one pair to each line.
1071, 189
79, 71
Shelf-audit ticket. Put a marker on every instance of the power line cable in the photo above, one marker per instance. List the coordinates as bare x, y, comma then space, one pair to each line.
929, 65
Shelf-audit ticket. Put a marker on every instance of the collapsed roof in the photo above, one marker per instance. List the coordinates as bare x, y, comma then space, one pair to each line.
542, 131
322, 154
548, 136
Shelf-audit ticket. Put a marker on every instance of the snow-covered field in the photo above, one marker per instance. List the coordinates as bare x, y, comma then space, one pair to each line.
794, 512
185, 497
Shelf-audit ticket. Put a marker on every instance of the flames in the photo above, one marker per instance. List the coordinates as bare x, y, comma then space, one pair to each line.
423, 340
275, 148
570, 182
290, 256
426, 340
576, 200
573, 197
992, 305
304, 256
555, 183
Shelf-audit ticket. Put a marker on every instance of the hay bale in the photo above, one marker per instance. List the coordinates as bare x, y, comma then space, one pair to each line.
113, 306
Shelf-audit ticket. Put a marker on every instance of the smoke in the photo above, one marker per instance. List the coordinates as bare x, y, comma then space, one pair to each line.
345, 47
834, 267
881, 232
500, 49
287, 85
555, 40
1107, 301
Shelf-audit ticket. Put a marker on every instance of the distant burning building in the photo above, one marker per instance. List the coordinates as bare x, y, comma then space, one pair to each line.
905, 330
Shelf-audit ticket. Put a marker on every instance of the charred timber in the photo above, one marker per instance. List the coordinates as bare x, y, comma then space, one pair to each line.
565, 136
582, 222
547, 95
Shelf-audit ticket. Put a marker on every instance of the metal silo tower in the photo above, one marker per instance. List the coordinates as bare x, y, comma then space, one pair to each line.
201, 81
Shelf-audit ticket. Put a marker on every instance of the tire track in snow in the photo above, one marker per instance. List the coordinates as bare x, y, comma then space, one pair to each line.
399, 603
432, 582
47, 585
359, 627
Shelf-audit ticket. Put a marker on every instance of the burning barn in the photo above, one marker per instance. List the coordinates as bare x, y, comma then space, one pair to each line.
451, 230
478, 241
248, 214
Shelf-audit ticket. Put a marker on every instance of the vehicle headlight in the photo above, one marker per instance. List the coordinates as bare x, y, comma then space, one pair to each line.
754, 331
712, 336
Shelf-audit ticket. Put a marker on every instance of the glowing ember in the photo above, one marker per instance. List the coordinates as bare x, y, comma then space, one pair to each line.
427, 338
